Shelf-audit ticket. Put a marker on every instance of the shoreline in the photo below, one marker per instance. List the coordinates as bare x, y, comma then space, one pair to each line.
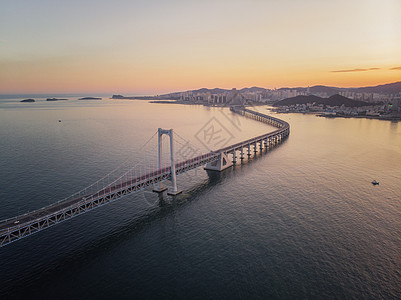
384, 118
321, 115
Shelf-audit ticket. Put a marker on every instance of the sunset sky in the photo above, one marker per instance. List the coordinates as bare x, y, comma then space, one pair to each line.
155, 46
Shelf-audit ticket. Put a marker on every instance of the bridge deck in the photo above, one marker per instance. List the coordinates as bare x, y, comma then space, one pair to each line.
24, 225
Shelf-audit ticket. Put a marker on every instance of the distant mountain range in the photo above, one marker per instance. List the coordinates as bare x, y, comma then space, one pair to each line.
390, 88
334, 100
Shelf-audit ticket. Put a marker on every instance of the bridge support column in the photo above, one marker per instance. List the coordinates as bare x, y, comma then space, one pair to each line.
249, 149
255, 148
261, 145
234, 157
220, 164
160, 188
174, 190
242, 152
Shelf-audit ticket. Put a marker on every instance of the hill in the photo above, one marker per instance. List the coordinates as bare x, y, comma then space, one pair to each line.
335, 100
389, 88
213, 91
325, 89
338, 100
252, 90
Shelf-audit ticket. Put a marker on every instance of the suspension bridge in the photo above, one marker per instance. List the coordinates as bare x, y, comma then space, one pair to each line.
136, 179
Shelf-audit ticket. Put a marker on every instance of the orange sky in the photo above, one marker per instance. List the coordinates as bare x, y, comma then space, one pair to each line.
132, 47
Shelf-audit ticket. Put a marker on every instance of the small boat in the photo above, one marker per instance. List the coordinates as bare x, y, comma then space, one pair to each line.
374, 182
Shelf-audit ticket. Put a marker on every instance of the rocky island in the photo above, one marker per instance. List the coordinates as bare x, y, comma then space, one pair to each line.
28, 100
55, 99
90, 98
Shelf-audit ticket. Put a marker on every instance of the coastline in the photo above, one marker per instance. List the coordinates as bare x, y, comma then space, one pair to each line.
384, 118
330, 116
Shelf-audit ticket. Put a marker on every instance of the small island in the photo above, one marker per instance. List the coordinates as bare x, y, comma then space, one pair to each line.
90, 98
55, 99
28, 100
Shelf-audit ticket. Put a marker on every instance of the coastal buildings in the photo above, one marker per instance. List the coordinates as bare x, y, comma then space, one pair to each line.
227, 97
219, 97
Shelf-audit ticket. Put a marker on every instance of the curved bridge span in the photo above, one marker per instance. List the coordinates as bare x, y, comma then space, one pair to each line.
16, 228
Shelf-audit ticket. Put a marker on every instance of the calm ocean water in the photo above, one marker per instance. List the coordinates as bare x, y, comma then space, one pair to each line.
300, 221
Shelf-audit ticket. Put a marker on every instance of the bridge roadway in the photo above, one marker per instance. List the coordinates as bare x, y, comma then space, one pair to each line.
24, 225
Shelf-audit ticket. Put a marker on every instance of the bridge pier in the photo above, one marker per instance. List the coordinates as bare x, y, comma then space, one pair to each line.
249, 149
234, 157
242, 152
220, 164
255, 148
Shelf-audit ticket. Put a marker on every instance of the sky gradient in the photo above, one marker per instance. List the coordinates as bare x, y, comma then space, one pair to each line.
152, 47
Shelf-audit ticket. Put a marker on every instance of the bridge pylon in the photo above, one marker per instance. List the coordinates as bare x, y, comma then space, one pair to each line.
174, 190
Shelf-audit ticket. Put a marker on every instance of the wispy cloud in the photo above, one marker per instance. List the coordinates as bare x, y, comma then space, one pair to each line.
355, 70
395, 68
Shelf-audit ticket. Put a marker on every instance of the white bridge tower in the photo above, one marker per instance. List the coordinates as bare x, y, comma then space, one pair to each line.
160, 189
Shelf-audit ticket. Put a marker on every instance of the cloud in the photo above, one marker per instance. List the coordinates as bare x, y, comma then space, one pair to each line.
395, 68
355, 70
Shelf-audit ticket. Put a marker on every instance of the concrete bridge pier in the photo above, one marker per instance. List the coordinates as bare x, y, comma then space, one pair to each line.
261, 145
249, 149
234, 157
222, 163
255, 148
242, 153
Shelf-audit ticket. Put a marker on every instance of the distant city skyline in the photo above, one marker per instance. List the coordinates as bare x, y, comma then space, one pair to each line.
156, 47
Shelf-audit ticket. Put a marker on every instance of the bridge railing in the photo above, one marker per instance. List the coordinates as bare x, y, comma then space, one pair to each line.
281, 124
